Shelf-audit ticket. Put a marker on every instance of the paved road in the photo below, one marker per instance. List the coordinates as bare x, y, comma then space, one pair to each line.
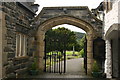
75, 66
74, 69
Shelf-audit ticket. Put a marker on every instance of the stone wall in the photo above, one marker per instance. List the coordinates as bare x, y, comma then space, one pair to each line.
112, 56
0, 45
2, 25
110, 30
16, 19
112, 16
79, 12
108, 66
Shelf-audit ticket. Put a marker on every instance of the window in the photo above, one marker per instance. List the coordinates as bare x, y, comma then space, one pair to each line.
108, 5
21, 45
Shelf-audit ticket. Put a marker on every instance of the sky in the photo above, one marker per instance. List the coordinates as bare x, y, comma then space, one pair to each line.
70, 27
57, 3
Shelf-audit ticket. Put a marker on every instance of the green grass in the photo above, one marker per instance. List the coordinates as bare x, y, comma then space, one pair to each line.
59, 53
71, 52
69, 55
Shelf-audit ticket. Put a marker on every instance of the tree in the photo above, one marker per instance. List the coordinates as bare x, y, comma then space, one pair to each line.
82, 52
81, 42
60, 39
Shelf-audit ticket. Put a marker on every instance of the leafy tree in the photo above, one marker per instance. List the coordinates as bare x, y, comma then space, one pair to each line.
81, 42
79, 35
60, 39
82, 53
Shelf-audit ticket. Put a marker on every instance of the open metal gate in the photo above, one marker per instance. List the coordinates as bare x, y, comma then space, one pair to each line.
55, 56
85, 56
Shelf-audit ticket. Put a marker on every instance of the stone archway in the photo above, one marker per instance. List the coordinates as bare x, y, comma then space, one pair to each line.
65, 20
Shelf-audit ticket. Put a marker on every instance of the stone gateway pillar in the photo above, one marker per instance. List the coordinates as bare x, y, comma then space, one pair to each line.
40, 50
89, 53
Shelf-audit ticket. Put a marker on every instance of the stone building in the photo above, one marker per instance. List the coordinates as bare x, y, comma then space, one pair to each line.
112, 37
79, 16
18, 26
110, 10
15, 43
21, 30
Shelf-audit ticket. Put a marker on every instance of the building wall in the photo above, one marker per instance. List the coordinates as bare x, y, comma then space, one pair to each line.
2, 43
15, 18
108, 65
119, 12
115, 70
112, 16
0, 46
111, 36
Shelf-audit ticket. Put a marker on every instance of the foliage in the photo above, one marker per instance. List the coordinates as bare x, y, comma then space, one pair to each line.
68, 56
79, 35
82, 52
81, 41
71, 52
96, 67
62, 38
33, 70
34, 64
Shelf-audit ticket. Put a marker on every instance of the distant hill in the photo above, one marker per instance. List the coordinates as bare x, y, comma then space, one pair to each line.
79, 35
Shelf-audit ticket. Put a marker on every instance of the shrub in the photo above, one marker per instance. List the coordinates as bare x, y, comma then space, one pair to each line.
96, 67
34, 64
82, 53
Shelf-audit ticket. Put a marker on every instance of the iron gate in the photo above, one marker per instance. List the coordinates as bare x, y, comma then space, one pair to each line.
85, 56
55, 56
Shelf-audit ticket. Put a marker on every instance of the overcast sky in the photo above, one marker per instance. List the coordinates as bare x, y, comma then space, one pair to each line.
52, 3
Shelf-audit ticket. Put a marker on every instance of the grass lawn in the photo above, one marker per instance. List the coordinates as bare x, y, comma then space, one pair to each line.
69, 55
71, 52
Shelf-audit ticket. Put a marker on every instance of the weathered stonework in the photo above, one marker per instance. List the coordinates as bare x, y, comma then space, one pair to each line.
111, 35
50, 17
1, 46
111, 18
80, 12
108, 63
15, 18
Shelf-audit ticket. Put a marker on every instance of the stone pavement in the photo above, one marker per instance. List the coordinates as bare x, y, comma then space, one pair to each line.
75, 66
56, 75
74, 69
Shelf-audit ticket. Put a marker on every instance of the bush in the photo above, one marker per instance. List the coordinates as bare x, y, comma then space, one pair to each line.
34, 65
96, 71
82, 53
96, 67
33, 69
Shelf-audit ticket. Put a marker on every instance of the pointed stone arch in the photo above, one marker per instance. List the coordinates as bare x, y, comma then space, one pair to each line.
66, 20
48, 24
